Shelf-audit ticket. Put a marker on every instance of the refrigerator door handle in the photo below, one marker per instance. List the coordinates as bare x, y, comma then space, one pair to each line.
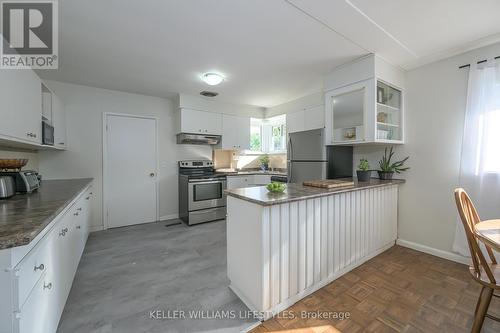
290, 148
289, 173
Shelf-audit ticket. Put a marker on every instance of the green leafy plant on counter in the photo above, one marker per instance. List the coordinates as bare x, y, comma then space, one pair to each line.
387, 167
363, 164
264, 162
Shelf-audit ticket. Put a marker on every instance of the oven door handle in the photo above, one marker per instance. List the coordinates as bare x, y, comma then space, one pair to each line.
207, 181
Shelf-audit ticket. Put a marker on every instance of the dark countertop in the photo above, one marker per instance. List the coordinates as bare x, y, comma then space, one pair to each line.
295, 192
24, 216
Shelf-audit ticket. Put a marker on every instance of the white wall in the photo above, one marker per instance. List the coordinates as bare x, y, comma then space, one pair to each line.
84, 108
435, 108
296, 105
32, 157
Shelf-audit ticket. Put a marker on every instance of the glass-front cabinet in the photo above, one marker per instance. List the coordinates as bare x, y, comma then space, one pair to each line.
389, 116
348, 108
369, 110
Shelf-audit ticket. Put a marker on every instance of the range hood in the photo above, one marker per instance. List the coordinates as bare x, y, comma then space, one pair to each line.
198, 139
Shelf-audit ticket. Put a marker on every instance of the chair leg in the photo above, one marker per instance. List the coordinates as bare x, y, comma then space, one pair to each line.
482, 309
478, 302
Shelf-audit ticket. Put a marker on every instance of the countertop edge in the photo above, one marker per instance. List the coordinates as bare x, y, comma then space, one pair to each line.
315, 195
28, 237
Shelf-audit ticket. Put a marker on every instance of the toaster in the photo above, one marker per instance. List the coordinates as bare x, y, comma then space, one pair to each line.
7, 187
26, 181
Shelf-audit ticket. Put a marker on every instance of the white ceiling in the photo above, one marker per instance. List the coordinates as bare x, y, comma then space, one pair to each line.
271, 51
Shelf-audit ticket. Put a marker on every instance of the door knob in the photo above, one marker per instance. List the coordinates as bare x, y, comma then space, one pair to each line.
152, 174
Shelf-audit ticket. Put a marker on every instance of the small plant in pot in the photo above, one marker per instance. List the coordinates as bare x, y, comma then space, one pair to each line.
387, 167
363, 171
264, 162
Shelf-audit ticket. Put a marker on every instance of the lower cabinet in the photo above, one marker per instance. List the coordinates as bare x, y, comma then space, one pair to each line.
238, 181
42, 280
40, 313
247, 181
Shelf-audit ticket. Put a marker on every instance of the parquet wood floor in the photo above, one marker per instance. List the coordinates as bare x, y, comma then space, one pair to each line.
400, 290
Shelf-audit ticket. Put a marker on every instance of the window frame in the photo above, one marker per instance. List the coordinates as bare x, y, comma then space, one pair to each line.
266, 134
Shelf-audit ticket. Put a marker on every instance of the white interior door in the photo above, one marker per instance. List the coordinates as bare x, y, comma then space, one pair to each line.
130, 170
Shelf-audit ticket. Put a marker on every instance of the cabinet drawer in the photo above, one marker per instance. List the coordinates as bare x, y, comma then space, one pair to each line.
38, 314
260, 180
31, 268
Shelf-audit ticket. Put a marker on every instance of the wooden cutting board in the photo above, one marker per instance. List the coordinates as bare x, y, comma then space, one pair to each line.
328, 183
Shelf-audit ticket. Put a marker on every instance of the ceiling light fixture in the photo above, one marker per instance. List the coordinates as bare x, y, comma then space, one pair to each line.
212, 79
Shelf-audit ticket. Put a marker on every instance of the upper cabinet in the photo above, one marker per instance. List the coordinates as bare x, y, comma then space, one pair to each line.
306, 119
199, 122
20, 106
53, 113
364, 103
24, 102
59, 122
235, 132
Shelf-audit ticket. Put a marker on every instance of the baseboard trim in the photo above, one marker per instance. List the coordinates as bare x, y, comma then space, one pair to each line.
169, 217
435, 252
94, 228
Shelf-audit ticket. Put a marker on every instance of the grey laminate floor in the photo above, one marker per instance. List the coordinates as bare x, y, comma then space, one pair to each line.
125, 273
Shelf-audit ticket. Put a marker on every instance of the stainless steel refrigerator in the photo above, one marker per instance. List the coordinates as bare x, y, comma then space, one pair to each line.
306, 156
309, 159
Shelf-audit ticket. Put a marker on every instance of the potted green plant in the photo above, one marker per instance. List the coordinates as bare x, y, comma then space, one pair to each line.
264, 162
387, 167
363, 171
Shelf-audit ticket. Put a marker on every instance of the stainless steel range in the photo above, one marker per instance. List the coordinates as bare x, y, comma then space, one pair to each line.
201, 192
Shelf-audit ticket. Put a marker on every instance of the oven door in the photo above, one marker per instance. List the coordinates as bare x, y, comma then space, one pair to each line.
206, 193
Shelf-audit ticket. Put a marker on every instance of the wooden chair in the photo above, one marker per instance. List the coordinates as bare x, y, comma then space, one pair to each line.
487, 274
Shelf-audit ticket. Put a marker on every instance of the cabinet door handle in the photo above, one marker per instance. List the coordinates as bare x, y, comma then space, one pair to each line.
76, 214
80, 209
87, 198
61, 143
78, 226
63, 232
47, 286
39, 267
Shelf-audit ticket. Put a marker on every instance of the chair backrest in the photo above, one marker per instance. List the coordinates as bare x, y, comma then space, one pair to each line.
470, 217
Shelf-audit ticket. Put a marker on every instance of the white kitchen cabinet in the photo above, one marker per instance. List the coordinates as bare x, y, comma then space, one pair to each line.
37, 286
314, 117
295, 121
59, 122
306, 119
199, 122
235, 132
239, 181
259, 180
247, 181
20, 106
40, 314
365, 103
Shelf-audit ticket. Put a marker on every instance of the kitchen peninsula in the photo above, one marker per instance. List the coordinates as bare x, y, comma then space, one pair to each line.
283, 246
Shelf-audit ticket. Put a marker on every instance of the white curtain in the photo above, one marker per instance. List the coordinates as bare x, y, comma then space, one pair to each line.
480, 160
